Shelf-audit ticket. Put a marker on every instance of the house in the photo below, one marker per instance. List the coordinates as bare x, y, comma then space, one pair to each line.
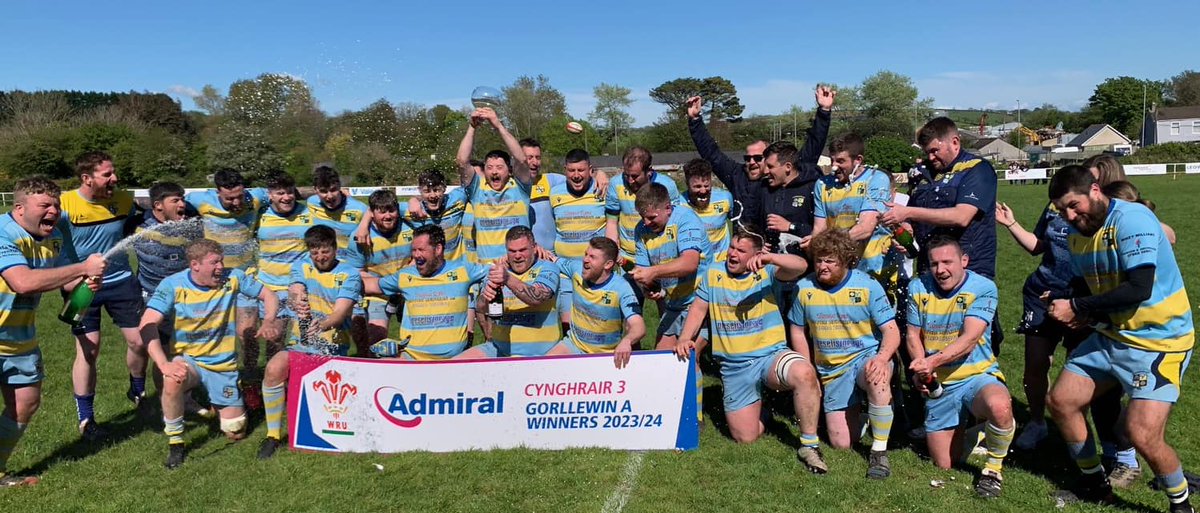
1174, 124
1100, 137
996, 149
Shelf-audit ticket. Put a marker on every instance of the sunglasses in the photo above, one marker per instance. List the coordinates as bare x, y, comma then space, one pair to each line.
756, 158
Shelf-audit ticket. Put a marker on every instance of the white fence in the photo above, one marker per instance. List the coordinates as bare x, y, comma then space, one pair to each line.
1130, 170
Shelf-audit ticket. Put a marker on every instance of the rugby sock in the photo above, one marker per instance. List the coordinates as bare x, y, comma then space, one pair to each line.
10, 433
997, 441
810, 440
1085, 455
174, 430
1128, 457
83, 405
1108, 450
273, 402
1175, 485
880, 419
137, 384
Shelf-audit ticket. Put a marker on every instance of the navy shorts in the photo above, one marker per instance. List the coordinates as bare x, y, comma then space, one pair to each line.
123, 301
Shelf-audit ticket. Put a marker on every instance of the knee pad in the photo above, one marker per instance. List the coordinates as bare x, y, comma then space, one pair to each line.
234, 428
785, 363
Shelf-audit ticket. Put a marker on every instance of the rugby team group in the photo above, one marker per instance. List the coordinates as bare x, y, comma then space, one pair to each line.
799, 281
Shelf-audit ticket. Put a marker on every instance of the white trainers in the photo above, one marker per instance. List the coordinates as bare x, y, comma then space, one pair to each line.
1033, 433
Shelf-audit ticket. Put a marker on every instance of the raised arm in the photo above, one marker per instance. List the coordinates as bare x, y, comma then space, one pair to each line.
726, 169
463, 158
814, 142
1029, 241
520, 169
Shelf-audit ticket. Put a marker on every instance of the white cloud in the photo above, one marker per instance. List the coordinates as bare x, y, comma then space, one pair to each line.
182, 90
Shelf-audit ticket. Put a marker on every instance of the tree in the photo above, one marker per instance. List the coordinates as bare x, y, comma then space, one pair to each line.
210, 101
530, 103
610, 113
890, 106
244, 148
891, 154
1118, 102
720, 96
1184, 89
267, 99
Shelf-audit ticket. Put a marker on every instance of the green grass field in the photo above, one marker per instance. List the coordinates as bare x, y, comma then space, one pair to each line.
126, 474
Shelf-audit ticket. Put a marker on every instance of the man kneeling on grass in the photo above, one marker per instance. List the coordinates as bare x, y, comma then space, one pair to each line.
750, 342
847, 314
203, 299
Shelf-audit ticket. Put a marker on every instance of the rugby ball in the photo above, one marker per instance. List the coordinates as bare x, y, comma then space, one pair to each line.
574, 127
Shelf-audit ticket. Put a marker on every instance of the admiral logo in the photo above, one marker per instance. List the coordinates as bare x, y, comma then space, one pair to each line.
408, 412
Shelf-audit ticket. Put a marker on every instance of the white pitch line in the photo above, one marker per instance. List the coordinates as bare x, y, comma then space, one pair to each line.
616, 501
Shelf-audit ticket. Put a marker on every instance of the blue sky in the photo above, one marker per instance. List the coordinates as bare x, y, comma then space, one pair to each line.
964, 54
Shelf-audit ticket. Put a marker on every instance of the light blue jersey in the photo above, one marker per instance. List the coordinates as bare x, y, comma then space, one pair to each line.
234, 231
683, 232
344, 219
840, 204
715, 218
98, 225
941, 316
205, 325
496, 212
619, 204
541, 215
435, 307
599, 310
18, 311
843, 320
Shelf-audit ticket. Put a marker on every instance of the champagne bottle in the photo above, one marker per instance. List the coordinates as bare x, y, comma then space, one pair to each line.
77, 303
496, 305
905, 239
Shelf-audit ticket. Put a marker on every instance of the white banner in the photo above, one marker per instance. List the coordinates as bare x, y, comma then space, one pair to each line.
1145, 169
1191, 168
359, 405
1026, 174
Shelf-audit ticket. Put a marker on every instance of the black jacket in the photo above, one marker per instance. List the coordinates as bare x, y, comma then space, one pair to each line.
730, 172
794, 200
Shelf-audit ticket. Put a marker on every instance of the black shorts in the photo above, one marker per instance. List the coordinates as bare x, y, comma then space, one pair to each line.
1037, 321
123, 301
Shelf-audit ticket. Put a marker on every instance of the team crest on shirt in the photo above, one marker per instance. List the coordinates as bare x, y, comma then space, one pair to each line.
227, 392
797, 201
961, 302
719, 208
339, 279
1140, 380
453, 275
1108, 235
861, 188
607, 298
855, 296
352, 217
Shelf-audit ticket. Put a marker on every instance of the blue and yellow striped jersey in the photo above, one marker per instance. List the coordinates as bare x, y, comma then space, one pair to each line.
18, 311
843, 321
599, 310
683, 232
435, 308
715, 219
205, 318
235, 232
281, 244
162, 248
531, 330
496, 212
324, 290
941, 316
577, 219
840, 205
97, 226
541, 215
743, 313
619, 203
344, 219
1132, 237
452, 218
389, 252
468, 233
